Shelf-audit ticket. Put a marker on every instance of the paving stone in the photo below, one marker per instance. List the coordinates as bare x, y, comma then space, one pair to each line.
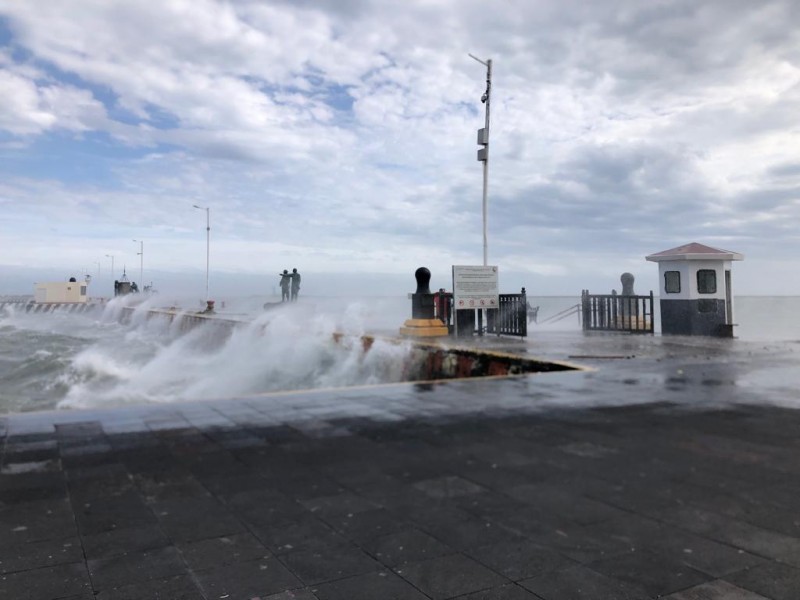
266, 508
715, 590
298, 535
520, 559
299, 594
34, 555
532, 521
100, 513
314, 566
179, 587
339, 504
247, 579
633, 530
410, 545
32, 486
196, 518
655, 574
450, 486
773, 580
565, 502
210, 553
696, 551
494, 476
147, 457
470, 533
691, 518
504, 592
125, 569
48, 582
581, 583
108, 478
169, 484
579, 543
39, 520
760, 541
392, 493
306, 485
488, 504
366, 525
449, 576
702, 554
43, 450
381, 584
121, 541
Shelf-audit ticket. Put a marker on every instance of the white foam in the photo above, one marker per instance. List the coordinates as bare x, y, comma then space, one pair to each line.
286, 348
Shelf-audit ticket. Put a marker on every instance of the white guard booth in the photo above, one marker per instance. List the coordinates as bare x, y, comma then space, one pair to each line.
696, 297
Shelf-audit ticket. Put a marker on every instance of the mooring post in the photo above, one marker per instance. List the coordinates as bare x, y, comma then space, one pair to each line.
422, 305
423, 321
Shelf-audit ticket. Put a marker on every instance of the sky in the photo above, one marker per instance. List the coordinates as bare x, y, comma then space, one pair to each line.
339, 138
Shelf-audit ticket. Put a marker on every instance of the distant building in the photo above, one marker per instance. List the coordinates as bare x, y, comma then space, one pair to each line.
73, 292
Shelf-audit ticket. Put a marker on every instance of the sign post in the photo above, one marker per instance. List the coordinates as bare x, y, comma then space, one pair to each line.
475, 287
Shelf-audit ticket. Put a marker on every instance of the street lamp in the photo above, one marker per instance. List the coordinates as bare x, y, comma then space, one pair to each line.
141, 262
111, 256
483, 153
208, 240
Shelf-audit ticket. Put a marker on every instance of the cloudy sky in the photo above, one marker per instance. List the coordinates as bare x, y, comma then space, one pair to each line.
339, 137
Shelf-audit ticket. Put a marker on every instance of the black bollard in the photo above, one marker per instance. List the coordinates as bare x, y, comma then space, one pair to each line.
423, 322
422, 303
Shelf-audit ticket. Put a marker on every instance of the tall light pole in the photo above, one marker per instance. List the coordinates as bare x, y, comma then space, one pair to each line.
208, 241
141, 262
111, 256
483, 153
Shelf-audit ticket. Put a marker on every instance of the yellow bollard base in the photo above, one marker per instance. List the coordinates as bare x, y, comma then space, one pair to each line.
424, 328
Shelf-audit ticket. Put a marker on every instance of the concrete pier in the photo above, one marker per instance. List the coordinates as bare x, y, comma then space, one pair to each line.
669, 469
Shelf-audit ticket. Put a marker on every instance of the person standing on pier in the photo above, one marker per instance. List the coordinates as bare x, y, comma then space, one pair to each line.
295, 284
286, 281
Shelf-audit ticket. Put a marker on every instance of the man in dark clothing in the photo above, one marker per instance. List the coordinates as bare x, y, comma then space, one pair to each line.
286, 281
295, 284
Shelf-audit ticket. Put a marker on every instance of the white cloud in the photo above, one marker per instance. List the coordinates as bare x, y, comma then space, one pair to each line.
343, 134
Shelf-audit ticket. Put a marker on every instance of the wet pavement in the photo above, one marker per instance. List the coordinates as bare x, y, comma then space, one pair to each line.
669, 468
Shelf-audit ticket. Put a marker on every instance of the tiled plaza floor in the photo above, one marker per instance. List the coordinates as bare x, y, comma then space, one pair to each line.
672, 472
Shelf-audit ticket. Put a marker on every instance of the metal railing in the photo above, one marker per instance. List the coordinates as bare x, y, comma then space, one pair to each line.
612, 312
510, 318
575, 309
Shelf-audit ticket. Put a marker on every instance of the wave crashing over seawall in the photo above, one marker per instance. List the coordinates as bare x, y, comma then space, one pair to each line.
96, 361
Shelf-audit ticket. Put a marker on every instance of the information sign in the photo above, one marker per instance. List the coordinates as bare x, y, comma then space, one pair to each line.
475, 287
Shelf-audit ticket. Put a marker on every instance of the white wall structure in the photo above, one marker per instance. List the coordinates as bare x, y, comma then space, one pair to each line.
73, 292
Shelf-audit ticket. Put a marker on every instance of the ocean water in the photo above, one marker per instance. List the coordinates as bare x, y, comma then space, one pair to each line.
74, 361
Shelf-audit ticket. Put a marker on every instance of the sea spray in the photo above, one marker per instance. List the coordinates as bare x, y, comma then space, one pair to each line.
290, 347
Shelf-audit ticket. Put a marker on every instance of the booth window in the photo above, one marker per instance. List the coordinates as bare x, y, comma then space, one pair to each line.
672, 282
706, 281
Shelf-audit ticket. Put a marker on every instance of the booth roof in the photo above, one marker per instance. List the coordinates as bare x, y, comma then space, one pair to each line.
694, 251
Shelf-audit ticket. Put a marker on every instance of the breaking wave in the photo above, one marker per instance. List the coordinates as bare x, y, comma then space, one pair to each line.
100, 362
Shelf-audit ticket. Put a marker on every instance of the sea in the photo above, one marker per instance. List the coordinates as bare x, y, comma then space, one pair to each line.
72, 361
